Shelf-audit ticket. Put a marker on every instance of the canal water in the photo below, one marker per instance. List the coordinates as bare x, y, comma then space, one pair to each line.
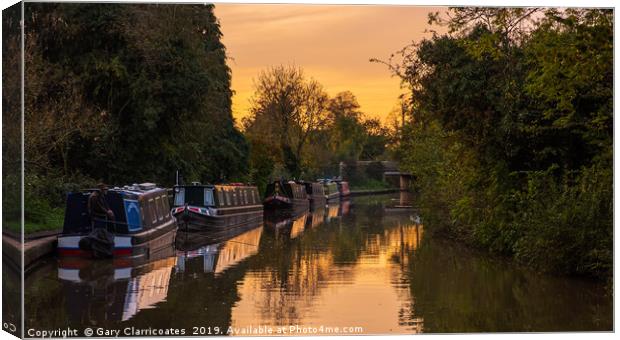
362, 266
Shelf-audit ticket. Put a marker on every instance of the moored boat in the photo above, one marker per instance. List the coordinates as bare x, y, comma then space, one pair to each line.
315, 192
216, 207
331, 191
286, 195
343, 188
142, 223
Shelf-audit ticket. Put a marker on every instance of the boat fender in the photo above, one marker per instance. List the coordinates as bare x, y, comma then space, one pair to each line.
100, 242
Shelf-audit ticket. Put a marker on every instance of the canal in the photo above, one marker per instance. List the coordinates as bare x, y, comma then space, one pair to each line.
356, 264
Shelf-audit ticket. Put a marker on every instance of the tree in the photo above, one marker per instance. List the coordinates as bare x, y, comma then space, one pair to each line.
378, 136
125, 93
510, 133
347, 132
287, 109
344, 104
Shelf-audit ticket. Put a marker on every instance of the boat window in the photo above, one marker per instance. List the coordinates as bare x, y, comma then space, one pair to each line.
194, 195
166, 205
208, 197
245, 196
220, 197
152, 212
235, 198
228, 199
179, 197
159, 208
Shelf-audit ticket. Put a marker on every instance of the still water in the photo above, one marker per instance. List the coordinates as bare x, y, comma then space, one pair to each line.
355, 264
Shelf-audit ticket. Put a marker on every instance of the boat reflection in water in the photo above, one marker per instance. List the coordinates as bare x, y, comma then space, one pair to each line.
216, 257
286, 225
345, 207
316, 216
332, 211
98, 292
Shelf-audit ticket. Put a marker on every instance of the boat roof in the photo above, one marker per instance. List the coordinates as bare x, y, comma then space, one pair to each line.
227, 185
135, 189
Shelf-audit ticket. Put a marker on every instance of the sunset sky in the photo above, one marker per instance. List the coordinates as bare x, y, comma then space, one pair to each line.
332, 43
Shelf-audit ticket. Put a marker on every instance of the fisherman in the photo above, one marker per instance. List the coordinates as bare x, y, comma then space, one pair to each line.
98, 208
100, 240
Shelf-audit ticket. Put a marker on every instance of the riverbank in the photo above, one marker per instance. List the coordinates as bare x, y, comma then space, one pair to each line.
374, 191
33, 248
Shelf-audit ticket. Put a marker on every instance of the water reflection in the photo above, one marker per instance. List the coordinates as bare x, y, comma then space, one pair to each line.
316, 217
217, 257
333, 211
404, 203
352, 264
287, 226
345, 207
114, 291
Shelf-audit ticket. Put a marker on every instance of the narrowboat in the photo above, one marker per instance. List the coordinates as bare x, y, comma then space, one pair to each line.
142, 224
216, 207
282, 195
343, 188
315, 192
331, 191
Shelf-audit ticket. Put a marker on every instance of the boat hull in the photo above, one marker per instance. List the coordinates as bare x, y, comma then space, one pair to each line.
191, 221
125, 245
317, 200
334, 197
286, 203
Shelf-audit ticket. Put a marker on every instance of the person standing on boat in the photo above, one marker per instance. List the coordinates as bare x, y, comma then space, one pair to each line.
98, 207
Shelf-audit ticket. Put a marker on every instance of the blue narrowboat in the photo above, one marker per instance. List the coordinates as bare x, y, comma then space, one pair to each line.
142, 224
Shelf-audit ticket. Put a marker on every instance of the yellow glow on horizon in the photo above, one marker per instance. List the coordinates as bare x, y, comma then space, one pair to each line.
331, 43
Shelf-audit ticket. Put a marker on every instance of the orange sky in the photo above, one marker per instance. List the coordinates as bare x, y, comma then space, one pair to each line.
332, 43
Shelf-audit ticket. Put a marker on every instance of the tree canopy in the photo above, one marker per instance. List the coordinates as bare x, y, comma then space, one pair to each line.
301, 132
510, 131
126, 93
